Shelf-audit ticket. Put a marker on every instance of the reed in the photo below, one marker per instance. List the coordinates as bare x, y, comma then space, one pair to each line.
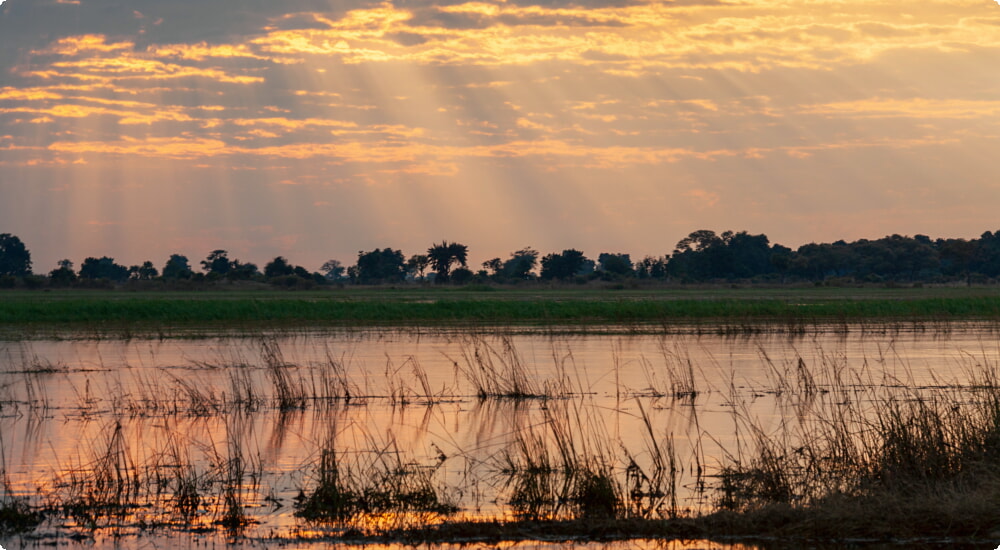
16, 512
371, 491
289, 392
927, 459
850, 441
239, 476
499, 371
105, 490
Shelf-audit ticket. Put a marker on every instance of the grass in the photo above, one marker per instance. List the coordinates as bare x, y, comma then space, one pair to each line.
927, 459
735, 310
372, 491
16, 513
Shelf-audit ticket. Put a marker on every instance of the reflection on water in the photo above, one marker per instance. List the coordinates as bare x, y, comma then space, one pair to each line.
398, 428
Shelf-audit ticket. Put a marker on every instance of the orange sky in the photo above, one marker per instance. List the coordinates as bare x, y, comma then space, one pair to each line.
314, 129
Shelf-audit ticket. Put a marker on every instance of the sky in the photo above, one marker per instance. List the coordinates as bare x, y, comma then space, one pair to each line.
315, 129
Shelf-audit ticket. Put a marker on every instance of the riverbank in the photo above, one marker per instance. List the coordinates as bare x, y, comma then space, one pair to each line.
716, 309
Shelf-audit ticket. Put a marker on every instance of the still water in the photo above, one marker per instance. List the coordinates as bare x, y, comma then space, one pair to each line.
182, 433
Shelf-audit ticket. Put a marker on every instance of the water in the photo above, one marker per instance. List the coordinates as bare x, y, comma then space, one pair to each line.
247, 420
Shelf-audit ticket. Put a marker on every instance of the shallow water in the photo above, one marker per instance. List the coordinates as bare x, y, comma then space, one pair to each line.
460, 414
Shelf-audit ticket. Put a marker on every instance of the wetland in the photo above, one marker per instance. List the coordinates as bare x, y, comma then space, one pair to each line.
729, 431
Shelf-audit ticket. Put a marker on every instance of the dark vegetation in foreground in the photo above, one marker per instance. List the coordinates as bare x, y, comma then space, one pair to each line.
861, 461
920, 469
859, 466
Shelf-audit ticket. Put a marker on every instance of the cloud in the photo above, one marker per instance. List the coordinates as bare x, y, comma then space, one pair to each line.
677, 100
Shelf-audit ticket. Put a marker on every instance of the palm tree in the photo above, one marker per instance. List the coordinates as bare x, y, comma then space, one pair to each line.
443, 256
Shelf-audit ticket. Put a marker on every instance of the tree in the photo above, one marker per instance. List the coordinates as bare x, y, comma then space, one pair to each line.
956, 257
652, 267
748, 255
333, 270
379, 266
242, 271
565, 265
615, 264
15, 259
144, 272
697, 240
443, 256
520, 264
462, 275
417, 265
63, 275
278, 267
177, 267
494, 267
217, 262
103, 268
703, 255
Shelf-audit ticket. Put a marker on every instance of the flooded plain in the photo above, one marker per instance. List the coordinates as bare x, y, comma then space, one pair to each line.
248, 440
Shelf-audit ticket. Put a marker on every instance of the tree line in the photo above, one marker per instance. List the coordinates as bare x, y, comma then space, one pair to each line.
702, 256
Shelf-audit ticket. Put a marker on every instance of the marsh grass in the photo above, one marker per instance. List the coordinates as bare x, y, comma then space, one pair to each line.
373, 490
675, 377
565, 468
499, 371
927, 457
106, 489
402, 391
290, 392
16, 513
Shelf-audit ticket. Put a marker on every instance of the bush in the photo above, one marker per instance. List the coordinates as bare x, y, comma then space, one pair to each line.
34, 281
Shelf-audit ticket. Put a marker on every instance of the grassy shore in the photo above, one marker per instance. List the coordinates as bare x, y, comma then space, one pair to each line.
157, 311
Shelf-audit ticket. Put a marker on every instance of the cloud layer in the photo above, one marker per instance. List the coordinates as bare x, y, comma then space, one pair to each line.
313, 129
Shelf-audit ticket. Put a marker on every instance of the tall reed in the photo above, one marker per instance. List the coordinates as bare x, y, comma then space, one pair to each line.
927, 458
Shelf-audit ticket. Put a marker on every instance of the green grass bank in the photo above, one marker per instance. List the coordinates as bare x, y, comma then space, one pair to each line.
86, 310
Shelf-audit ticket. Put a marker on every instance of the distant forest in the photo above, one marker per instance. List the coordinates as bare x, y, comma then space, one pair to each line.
701, 257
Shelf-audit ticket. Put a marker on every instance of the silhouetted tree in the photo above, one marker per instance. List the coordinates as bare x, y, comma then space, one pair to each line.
615, 264
493, 267
103, 268
15, 260
242, 271
520, 264
461, 276
63, 275
565, 265
332, 270
703, 255
651, 267
177, 267
217, 262
697, 240
278, 267
781, 260
986, 260
379, 266
144, 272
957, 256
443, 256
417, 265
